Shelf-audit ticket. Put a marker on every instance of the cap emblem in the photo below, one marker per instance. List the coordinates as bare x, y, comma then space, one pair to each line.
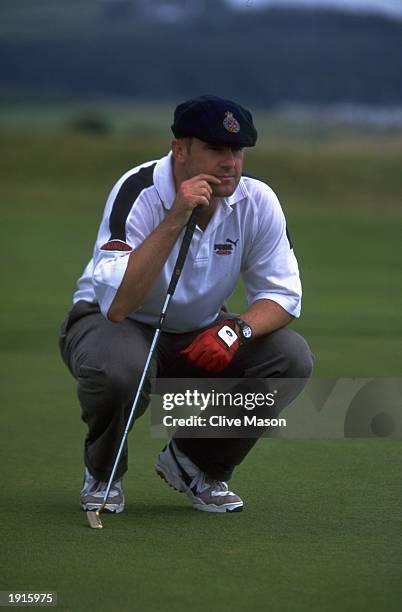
230, 123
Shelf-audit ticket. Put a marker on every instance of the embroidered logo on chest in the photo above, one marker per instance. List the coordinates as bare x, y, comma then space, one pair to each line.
226, 248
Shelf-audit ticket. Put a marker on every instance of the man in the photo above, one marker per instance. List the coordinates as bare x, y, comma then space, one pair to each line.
106, 337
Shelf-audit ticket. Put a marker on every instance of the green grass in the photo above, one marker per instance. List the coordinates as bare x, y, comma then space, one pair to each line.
322, 525
316, 534
276, 130
344, 212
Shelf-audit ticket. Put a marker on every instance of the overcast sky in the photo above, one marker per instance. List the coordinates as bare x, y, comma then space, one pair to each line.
389, 7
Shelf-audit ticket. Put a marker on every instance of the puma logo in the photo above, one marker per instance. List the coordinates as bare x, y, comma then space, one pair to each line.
225, 248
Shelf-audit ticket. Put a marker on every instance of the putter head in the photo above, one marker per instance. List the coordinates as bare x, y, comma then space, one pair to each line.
94, 521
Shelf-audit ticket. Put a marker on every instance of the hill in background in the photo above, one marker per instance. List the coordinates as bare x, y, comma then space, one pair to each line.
123, 49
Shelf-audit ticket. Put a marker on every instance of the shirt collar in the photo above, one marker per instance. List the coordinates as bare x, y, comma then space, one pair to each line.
163, 180
240, 193
164, 184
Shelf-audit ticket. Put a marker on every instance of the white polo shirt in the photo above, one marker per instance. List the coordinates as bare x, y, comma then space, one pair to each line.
246, 236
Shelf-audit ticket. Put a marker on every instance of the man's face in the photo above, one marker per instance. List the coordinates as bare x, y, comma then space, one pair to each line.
221, 160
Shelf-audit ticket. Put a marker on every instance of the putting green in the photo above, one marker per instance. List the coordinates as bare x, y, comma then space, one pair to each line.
321, 529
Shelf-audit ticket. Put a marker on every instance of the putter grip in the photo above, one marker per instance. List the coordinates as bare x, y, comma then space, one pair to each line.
185, 245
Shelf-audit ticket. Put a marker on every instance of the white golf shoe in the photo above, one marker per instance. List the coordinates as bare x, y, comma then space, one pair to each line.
93, 492
204, 493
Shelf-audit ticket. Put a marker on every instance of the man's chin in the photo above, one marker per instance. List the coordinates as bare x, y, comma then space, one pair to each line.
224, 191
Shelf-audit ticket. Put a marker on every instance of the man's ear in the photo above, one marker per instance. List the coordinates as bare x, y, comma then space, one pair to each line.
179, 150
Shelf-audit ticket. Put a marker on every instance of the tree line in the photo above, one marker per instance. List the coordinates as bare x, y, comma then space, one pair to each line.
265, 59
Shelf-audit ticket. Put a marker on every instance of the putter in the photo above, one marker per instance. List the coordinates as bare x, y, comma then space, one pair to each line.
93, 516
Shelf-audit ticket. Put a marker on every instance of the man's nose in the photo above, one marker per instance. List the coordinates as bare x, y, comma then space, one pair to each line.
228, 159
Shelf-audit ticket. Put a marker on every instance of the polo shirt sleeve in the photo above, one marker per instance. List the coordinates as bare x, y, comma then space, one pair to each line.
270, 270
111, 255
109, 269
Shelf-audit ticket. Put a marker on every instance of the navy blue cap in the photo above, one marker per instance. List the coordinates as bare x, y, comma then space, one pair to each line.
216, 120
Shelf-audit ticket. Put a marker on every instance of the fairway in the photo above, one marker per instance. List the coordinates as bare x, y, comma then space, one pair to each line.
321, 529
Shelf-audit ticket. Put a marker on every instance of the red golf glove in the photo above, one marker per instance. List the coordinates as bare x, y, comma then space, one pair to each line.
214, 348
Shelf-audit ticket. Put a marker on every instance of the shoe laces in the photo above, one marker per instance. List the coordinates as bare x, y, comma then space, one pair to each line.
201, 482
98, 487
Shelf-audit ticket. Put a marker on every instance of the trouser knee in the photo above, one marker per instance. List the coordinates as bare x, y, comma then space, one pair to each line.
105, 390
298, 359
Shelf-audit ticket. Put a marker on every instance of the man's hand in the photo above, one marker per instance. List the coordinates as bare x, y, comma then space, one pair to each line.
213, 349
147, 261
192, 193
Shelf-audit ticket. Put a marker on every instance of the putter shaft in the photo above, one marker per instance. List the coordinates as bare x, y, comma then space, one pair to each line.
94, 516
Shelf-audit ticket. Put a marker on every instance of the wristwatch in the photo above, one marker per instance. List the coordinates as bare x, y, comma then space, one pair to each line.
245, 331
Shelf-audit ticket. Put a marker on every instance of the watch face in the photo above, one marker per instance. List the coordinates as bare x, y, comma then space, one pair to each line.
247, 331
